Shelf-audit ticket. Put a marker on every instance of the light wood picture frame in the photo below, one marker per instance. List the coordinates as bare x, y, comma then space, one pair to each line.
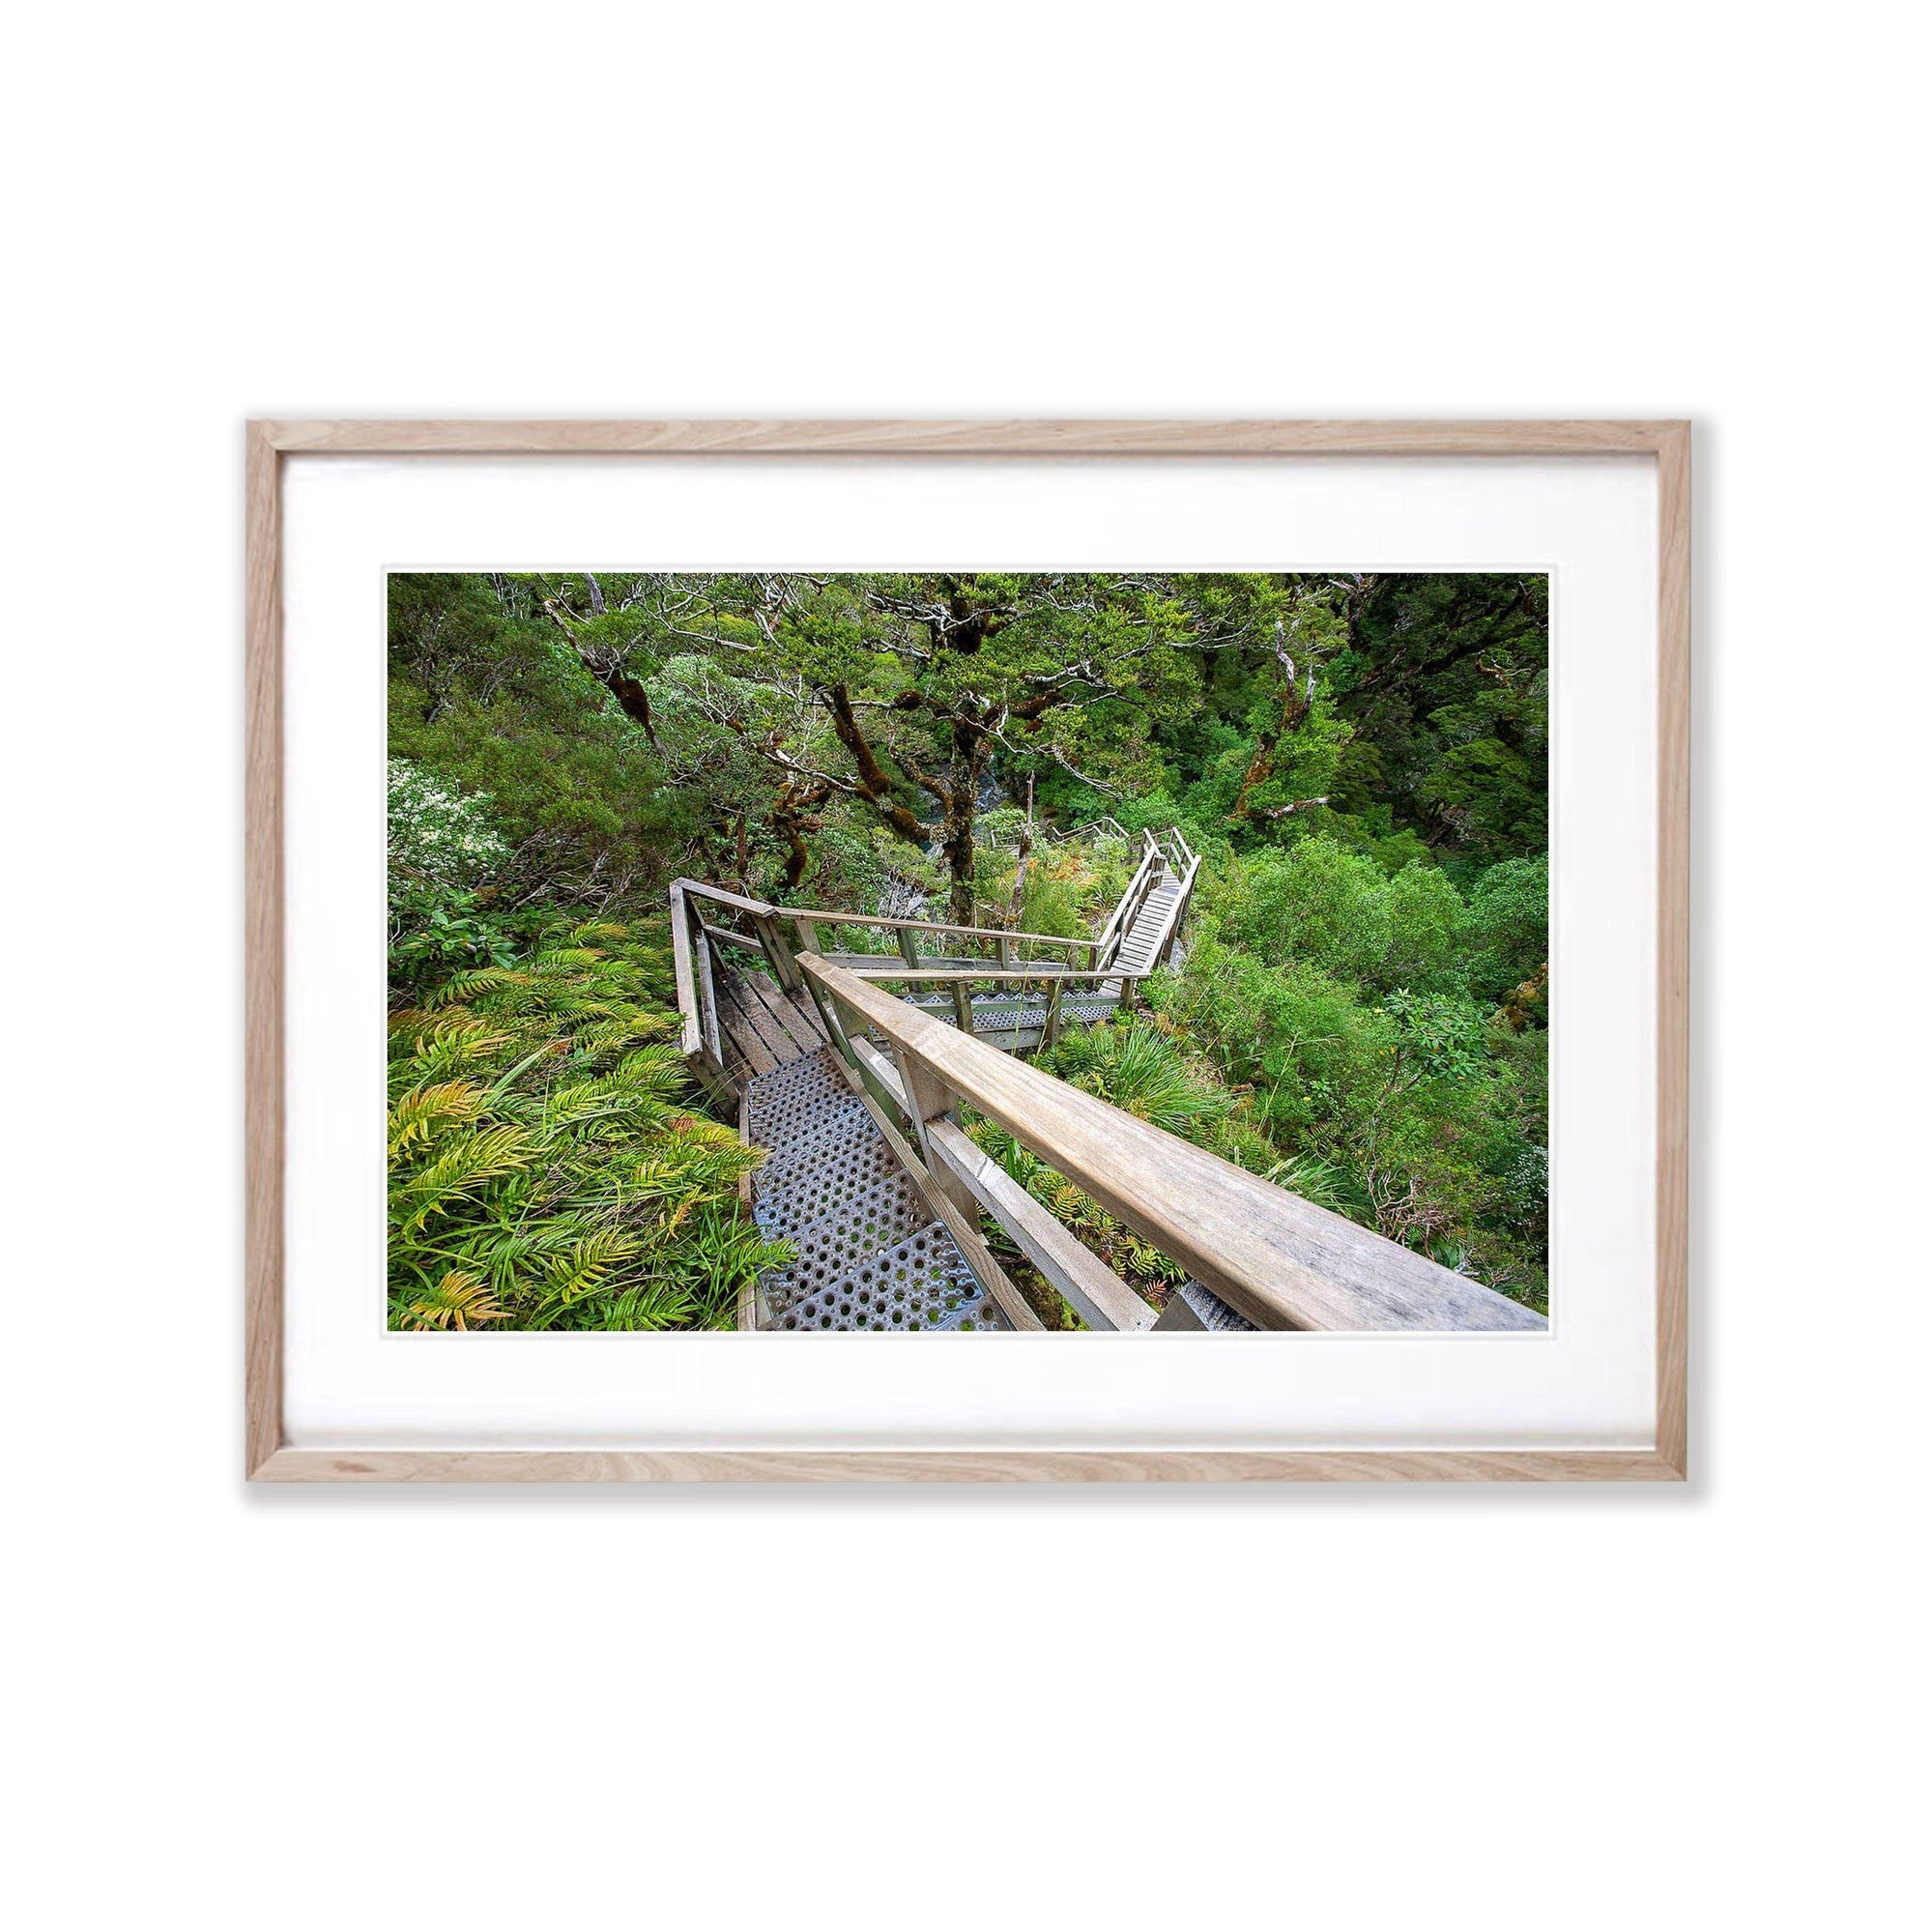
271, 1457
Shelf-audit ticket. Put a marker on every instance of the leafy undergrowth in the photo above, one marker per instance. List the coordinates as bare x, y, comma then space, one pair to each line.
1444, 1107
548, 1165
1132, 1067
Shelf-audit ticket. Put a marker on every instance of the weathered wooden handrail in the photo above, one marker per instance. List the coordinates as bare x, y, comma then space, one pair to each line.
1107, 825
922, 974
697, 888
1122, 917
822, 915
1096, 1293
1278, 1259
824, 918
1051, 983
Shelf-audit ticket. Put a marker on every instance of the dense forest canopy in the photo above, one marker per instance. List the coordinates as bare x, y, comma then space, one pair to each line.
1362, 760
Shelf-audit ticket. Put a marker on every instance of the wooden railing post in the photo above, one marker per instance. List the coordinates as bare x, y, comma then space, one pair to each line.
928, 1099
1049, 1030
778, 951
684, 974
963, 1006
908, 946
708, 998
833, 1020
808, 935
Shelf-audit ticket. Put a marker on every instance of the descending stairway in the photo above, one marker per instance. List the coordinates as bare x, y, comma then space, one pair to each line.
870, 1254
868, 1215
1144, 938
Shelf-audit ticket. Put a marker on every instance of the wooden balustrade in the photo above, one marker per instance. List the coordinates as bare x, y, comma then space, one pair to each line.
1279, 1260
1116, 928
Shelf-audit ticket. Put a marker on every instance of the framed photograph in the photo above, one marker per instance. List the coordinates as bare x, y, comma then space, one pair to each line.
968, 951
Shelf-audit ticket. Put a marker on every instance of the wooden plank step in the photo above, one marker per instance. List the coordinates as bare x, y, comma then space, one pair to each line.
792, 1038
747, 991
808, 1017
751, 1031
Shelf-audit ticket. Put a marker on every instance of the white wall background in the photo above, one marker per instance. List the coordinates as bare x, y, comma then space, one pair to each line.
1331, 1709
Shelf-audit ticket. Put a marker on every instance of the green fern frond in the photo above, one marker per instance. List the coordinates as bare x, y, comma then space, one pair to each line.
584, 1268
466, 985
458, 1171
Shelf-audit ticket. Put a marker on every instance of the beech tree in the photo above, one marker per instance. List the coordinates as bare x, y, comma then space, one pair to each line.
930, 683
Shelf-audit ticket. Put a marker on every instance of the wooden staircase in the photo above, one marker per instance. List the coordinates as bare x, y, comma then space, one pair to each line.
849, 1067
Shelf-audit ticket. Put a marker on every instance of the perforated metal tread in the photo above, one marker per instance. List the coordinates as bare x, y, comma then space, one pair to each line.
921, 1285
827, 1194
795, 1098
847, 1140
1214, 1313
994, 1015
830, 1246
869, 1255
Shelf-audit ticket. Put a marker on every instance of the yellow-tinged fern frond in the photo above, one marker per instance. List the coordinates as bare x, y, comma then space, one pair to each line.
419, 1116
656, 1070
707, 1132
458, 1171
456, 1301
456, 1040
546, 1147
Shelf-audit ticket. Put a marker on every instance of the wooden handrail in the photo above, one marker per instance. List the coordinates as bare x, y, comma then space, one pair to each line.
822, 918
697, 887
1115, 928
726, 937
1100, 1298
819, 915
904, 976
1279, 1260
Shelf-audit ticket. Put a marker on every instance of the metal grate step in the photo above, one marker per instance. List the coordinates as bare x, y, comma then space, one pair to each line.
1214, 1313
794, 1098
869, 1254
846, 1140
832, 1244
919, 1284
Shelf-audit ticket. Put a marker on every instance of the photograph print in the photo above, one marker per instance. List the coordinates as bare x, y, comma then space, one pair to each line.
969, 952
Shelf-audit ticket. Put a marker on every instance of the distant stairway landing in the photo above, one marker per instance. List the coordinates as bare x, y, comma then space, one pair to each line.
1145, 937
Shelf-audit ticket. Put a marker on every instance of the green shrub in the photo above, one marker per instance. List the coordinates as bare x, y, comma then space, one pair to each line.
1509, 925
1318, 903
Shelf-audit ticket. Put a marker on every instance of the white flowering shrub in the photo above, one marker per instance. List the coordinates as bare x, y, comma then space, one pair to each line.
437, 833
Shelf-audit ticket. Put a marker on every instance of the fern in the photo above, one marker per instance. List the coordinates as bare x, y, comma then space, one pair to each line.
455, 1301
419, 1116
547, 1164
458, 1171
573, 1274
466, 985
